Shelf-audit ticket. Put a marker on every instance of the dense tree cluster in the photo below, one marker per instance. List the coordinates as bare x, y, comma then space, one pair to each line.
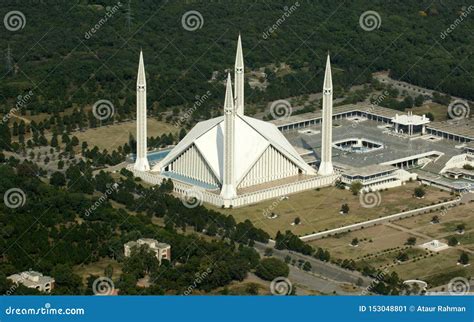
76, 75
57, 229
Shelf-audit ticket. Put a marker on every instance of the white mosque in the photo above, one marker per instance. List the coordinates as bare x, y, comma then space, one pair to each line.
234, 160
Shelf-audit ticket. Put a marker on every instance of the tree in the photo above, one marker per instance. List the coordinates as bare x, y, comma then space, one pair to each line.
355, 242
271, 268
402, 257
307, 266
464, 258
460, 228
57, 179
297, 221
452, 241
435, 220
356, 186
109, 271
419, 100
345, 208
252, 289
419, 192
411, 241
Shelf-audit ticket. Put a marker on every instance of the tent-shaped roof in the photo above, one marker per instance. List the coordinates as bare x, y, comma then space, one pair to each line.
252, 138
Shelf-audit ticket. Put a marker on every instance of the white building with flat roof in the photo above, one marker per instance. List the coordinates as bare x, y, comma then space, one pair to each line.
410, 124
33, 279
161, 250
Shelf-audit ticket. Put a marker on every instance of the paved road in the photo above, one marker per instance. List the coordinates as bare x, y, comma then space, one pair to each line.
324, 277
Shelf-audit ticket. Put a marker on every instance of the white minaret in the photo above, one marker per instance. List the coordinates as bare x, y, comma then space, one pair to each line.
239, 78
228, 189
325, 168
141, 162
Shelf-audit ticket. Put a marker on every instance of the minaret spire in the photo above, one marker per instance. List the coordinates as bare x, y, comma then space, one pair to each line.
228, 189
326, 168
141, 161
239, 78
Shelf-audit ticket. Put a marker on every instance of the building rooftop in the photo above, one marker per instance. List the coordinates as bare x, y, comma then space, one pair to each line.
463, 127
395, 147
30, 278
148, 241
410, 119
370, 170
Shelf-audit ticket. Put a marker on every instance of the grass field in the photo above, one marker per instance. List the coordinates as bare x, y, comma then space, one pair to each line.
439, 112
379, 246
371, 240
112, 136
97, 269
319, 210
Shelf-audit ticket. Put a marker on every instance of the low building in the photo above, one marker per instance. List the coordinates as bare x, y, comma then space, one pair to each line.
376, 177
161, 250
410, 124
32, 279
